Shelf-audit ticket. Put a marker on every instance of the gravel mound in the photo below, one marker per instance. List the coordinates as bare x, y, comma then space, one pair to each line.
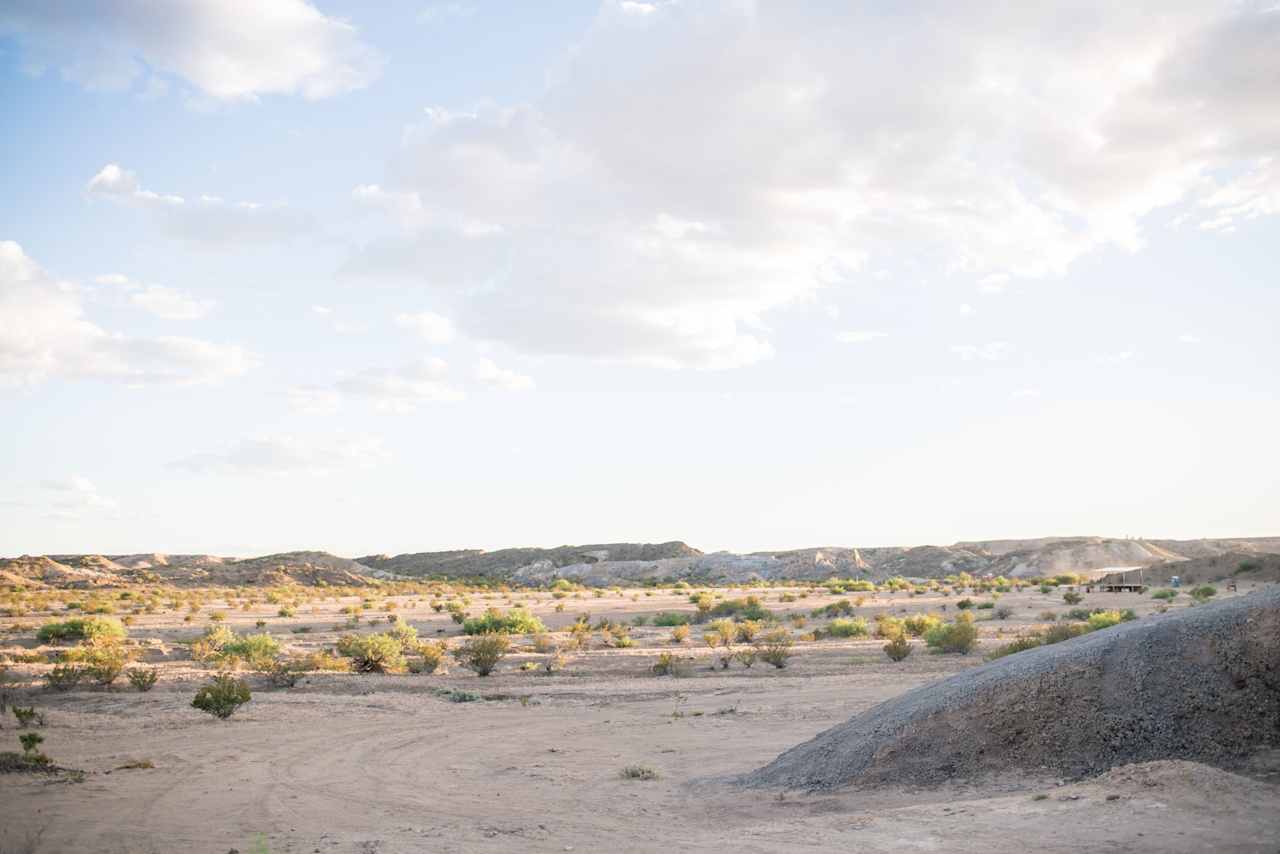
1199, 684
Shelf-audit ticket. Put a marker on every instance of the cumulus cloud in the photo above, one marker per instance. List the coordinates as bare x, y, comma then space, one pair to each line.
44, 334
860, 336
171, 304
433, 327
993, 351
76, 495
287, 455
488, 373
226, 49
207, 219
774, 159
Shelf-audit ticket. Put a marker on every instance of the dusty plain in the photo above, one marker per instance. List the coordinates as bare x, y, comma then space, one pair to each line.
389, 763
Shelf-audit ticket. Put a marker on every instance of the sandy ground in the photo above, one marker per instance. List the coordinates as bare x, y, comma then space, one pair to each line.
350, 763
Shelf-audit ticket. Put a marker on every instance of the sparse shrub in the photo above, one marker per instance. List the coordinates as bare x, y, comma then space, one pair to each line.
1064, 631
283, 673
222, 696
889, 627
1048, 616
1105, 619
28, 716
1204, 593
544, 643
958, 637
679, 634
1018, 645
638, 772
323, 661
211, 643
964, 604
775, 647
671, 618
96, 629
30, 741
482, 653
516, 621
1080, 614
838, 608
257, 651
749, 608
372, 653
143, 678
1072, 598
1165, 594
916, 625
747, 631
670, 664
747, 657
432, 655
104, 664
286, 612
64, 677
854, 628
898, 648
1004, 612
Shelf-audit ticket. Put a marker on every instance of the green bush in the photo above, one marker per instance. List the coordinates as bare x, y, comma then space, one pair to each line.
917, 625
516, 621
838, 608
144, 679
104, 664
222, 696
775, 647
1204, 592
749, 608
898, 648
671, 618
258, 651
372, 653
958, 637
964, 604
1072, 598
669, 664
97, 629
64, 677
1018, 645
482, 653
1165, 594
854, 628
1106, 619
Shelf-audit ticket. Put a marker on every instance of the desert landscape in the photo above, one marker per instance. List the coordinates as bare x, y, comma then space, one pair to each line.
634, 717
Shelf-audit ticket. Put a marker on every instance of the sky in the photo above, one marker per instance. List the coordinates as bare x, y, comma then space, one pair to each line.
404, 276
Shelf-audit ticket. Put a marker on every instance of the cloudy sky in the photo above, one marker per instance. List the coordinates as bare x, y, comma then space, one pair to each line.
415, 275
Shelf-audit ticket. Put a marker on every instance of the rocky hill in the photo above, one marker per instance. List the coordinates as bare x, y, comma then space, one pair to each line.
620, 563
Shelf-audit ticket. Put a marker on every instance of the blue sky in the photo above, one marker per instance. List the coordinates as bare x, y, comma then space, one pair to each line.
753, 275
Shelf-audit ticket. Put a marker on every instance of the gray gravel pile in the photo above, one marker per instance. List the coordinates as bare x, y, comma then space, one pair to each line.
1201, 684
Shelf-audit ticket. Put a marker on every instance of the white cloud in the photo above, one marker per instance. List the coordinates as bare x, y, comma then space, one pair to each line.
171, 304
556, 228
44, 334
401, 389
314, 400
112, 279
431, 326
1188, 338
287, 455
227, 49
860, 336
966, 309
991, 352
488, 373
207, 219
77, 495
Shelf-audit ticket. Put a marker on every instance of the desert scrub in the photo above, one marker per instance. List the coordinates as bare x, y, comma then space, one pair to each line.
958, 637
670, 664
842, 628
679, 634
222, 696
917, 625
1072, 598
1106, 619
1204, 593
889, 627
82, 628
775, 647
482, 653
747, 631
516, 621
1165, 594
1004, 612
1017, 645
898, 648
143, 678
104, 664
838, 608
430, 657
259, 651
64, 677
372, 653
671, 618
638, 772
749, 608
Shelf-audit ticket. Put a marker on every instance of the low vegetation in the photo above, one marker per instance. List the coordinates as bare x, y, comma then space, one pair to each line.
222, 696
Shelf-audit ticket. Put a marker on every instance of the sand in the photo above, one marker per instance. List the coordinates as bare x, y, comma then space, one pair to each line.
349, 763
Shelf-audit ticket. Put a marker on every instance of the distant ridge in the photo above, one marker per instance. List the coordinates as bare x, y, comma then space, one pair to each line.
619, 563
